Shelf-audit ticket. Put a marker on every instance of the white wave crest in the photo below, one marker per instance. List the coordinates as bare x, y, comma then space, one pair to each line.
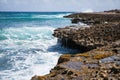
50, 16
28, 51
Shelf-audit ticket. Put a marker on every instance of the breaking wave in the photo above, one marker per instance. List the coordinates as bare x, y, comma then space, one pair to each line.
27, 51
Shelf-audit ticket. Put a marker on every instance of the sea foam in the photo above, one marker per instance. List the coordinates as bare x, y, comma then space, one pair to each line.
27, 47
28, 51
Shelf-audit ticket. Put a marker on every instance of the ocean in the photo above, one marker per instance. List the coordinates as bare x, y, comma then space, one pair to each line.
27, 47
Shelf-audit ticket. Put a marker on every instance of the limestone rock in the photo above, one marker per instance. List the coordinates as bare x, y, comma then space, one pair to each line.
99, 45
88, 38
86, 66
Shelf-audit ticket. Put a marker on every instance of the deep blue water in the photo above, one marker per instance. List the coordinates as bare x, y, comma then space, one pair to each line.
27, 47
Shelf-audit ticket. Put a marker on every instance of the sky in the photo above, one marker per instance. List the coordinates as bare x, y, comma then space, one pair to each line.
59, 5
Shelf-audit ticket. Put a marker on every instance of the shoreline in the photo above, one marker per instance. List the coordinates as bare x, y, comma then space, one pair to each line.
99, 45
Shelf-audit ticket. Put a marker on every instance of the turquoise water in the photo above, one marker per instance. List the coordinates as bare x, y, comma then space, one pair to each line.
27, 47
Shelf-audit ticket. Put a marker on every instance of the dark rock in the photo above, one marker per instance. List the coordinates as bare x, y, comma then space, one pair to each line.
96, 17
113, 11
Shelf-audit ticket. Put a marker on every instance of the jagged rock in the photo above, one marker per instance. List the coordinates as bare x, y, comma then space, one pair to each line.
100, 44
96, 17
86, 66
88, 38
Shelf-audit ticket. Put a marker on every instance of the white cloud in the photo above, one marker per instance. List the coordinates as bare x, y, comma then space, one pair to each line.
58, 5
88, 10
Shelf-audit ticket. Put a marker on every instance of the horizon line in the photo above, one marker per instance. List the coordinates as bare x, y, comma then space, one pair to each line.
38, 11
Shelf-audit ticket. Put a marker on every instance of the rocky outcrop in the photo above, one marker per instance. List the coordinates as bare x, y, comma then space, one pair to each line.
88, 38
99, 44
113, 11
96, 17
104, 31
99, 64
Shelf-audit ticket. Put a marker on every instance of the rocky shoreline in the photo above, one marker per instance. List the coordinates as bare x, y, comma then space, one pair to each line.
88, 38
99, 45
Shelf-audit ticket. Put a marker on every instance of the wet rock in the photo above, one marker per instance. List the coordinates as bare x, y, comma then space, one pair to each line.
100, 49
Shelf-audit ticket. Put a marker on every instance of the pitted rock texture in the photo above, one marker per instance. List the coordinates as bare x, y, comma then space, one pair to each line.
88, 38
99, 64
96, 17
99, 44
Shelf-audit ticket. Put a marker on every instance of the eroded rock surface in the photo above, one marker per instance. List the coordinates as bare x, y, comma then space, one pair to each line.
99, 64
99, 45
88, 38
96, 17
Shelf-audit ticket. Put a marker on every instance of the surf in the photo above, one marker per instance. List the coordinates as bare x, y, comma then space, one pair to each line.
27, 48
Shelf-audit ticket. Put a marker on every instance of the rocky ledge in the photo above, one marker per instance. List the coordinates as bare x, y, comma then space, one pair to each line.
99, 45
88, 38
96, 17
98, 64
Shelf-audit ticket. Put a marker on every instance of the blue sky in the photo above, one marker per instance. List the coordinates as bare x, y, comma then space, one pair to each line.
58, 5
